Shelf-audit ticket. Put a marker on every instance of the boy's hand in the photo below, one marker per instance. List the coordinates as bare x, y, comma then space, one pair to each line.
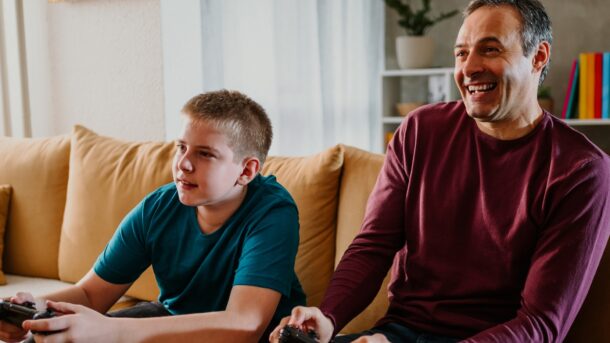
75, 323
306, 319
376, 338
12, 333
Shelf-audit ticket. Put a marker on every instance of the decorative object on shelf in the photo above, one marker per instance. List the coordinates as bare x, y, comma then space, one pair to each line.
415, 50
544, 98
405, 108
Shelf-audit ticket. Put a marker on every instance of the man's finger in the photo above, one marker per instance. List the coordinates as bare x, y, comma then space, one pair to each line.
275, 334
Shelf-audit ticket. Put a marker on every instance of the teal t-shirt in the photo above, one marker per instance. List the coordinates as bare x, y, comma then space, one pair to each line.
195, 272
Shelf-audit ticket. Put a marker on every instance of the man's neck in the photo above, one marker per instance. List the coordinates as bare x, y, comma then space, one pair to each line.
513, 128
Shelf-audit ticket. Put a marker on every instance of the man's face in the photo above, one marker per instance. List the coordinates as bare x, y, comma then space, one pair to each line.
203, 168
497, 82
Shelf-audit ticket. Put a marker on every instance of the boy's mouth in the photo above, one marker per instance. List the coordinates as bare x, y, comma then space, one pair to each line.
186, 184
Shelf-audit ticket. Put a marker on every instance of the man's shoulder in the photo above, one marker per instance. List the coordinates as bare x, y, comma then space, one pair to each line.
572, 147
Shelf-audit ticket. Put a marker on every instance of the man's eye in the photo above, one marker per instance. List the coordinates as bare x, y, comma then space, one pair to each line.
460, 53
181, 147
491, 50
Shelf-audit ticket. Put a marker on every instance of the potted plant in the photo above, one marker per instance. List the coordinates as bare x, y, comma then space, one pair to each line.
415, 50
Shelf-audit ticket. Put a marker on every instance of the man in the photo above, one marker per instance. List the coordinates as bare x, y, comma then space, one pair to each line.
498, 213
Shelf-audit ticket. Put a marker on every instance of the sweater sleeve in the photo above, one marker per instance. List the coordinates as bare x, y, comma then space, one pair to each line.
566, 257
364, 265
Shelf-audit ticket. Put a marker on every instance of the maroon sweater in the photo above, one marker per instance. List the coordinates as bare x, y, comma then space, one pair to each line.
493, 240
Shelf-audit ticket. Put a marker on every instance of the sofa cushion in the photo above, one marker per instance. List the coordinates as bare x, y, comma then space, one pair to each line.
5, 197
360, 170
313, 182
37, 170
108, 177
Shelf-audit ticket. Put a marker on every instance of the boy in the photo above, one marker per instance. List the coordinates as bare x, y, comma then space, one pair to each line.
221, 238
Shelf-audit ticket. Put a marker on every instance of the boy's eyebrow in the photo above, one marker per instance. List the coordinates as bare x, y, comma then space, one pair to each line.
490, 39
204, 147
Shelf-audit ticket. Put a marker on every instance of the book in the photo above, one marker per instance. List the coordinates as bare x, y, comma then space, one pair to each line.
590, 85
568, 102
597, 85
582, 88
606, 86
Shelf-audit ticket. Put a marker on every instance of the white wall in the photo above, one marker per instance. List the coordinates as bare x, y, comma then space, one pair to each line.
97, 63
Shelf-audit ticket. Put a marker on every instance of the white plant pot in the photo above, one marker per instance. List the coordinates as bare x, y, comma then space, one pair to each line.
414, 51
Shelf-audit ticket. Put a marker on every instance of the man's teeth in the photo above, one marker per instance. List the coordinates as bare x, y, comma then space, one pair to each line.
480, 88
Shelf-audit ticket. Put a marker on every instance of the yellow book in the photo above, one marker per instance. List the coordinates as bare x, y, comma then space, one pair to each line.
582, 86
591, 86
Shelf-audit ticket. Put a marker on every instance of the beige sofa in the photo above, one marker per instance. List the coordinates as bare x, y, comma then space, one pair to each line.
69, 193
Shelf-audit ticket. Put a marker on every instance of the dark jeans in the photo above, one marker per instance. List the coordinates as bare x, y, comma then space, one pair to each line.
397, 333
142, 309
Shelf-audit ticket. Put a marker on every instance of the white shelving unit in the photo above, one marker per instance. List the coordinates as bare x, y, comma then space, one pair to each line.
426, 85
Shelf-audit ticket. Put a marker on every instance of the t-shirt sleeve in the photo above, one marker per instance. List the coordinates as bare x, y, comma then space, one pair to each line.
125, 256
269, 251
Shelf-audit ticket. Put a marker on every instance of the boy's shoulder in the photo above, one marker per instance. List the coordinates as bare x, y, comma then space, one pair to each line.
270, 189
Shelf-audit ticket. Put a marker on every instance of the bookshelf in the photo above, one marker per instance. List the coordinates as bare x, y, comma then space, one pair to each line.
424, 85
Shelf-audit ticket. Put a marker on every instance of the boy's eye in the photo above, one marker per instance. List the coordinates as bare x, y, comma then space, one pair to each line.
181, 147
205, 154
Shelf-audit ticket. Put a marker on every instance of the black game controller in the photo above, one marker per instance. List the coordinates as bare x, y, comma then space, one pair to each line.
290, 334
16, 314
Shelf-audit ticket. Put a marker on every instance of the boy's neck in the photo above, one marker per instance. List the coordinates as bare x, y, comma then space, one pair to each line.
212, 217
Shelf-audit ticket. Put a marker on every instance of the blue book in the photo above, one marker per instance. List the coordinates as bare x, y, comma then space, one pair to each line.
571, 107
606, 86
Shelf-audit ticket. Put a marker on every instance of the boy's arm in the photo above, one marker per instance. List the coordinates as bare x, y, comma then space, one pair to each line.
246, 317
91, 291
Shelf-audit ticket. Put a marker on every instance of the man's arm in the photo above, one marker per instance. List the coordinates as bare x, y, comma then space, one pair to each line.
247, 315
364, 265
564, 262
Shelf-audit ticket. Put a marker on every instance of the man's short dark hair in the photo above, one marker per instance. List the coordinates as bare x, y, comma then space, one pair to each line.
535, 23
240, 118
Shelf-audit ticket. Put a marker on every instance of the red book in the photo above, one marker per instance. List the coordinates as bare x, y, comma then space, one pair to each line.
597, 88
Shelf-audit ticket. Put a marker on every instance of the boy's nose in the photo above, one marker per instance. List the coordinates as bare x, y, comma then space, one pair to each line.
185, 165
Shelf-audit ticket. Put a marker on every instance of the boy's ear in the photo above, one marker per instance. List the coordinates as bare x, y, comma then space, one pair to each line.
251, 167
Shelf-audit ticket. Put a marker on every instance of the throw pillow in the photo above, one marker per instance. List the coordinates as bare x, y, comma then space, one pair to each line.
37, 170
313, 182
108, 177
5, 196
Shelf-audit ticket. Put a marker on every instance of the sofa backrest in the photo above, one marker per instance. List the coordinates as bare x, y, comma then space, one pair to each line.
37, 170
360, 170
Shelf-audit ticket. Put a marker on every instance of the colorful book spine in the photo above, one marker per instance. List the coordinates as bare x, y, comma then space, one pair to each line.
582, 89
606, 86
597, 85
568, 103
591, 85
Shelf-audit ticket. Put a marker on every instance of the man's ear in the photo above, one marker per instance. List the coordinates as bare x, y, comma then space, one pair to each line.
251, 167
541, 56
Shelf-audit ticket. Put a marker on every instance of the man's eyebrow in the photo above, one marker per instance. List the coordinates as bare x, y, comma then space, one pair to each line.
490, 39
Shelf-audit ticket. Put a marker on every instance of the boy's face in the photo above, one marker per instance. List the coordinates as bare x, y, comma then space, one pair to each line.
203, 168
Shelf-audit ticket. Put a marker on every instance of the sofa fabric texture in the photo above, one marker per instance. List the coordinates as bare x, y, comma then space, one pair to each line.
5, 197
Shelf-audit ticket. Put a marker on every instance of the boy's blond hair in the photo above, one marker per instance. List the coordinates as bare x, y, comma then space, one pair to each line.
240, 118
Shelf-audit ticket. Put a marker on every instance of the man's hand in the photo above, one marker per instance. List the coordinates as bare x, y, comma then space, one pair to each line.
76, 323
306, 319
